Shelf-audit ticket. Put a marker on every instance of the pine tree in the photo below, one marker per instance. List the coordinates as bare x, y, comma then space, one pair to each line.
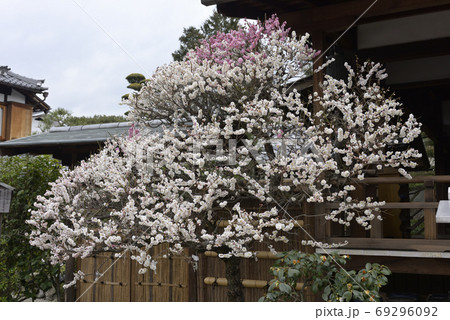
192, 36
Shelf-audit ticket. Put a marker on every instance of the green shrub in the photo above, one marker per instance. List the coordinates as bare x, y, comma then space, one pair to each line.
24, 269
324, 274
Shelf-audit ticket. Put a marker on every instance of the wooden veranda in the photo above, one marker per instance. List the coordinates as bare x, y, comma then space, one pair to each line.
420, 245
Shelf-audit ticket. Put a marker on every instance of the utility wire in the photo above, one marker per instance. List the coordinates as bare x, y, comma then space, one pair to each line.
121, 47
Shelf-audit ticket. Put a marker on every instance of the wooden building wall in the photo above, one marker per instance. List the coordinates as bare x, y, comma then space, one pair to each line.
17, 119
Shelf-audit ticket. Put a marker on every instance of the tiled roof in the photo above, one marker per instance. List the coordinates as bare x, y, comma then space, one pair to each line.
87, 134
17, 81
71, 135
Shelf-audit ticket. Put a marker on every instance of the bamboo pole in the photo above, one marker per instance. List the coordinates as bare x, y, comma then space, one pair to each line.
393, 180
154, 284
259, 255
159, 284
417, 179
108, 283
396, 205
247, 283
225, 223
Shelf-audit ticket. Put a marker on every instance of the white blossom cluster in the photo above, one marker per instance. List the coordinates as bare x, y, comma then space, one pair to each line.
240, 148
151, 189
205, 87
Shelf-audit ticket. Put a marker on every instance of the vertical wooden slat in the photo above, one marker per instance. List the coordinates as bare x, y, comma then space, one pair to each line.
94, 273
181, 274
160, 285
81, 285
150, 277
128, 285
161, 275
171, 278
202, 273
429, 214
111, 289
122, 279
132, 278
114, 285
99, 286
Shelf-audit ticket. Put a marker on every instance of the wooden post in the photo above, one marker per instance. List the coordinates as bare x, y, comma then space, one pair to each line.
377, 228
405, 215
429, 214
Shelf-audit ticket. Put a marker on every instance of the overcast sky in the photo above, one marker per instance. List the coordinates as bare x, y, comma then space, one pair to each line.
68, 43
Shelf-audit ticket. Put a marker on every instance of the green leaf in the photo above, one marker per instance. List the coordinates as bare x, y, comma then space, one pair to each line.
347, 296
386, 271
293, 273
358, 296
285, 288
315, 287
280, 274
327, 291
272, 286
271, 296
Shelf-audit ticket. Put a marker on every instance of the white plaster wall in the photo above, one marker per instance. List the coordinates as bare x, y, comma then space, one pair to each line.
35, 123
16, 97
35, 126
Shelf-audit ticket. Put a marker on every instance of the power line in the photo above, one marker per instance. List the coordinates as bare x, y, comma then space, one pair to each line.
121, 47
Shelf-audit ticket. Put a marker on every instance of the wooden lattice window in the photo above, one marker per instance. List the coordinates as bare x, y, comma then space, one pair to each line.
6, 192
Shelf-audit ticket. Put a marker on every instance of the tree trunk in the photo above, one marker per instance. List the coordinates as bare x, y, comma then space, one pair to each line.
233, 273
70, 293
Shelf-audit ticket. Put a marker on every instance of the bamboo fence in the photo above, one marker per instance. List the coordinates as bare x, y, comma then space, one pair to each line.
175, 279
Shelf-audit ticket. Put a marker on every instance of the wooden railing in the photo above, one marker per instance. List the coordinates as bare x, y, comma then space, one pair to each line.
376, 240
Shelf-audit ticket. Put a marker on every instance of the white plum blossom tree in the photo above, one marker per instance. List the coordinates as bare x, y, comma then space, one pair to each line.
235, 134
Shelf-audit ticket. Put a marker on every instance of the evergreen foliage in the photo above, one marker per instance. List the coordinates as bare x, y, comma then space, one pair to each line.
61, 117
192, 36
25, 270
